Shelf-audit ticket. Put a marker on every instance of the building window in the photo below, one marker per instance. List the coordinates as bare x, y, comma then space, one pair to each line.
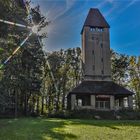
92, 29
102, 59
101, 45
83, 100
93, 67
102, 103
102, 71
93, 52
99, 29
79, 102
92, 38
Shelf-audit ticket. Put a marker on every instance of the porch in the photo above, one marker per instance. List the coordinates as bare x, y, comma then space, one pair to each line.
99, 95
101, 102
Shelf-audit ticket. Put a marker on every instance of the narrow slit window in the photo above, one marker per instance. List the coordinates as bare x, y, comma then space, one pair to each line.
102, 59
102, 71
101, 45
93, 67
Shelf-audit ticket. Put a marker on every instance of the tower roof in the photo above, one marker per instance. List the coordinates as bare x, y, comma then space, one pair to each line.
95, 19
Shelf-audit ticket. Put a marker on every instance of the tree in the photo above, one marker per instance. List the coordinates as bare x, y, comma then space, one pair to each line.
65, 66
134, 78
119, 66
22, 77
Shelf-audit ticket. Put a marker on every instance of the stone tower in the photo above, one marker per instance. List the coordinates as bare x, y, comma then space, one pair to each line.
96, 47
97, 91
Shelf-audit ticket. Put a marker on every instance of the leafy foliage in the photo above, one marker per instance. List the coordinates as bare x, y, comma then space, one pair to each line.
22, 77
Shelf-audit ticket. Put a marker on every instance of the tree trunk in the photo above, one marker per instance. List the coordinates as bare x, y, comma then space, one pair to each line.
25, 105
37, 105
16, 104
42, 105
57, 103
64, 94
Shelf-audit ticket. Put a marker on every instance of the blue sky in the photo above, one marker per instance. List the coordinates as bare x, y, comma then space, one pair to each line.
67, 18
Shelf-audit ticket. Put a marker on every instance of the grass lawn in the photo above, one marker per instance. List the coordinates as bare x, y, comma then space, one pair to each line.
62, 129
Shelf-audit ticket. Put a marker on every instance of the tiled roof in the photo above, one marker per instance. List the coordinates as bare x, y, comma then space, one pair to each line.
100, 87
95, 19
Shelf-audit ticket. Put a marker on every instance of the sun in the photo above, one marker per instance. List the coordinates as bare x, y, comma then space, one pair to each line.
35, 29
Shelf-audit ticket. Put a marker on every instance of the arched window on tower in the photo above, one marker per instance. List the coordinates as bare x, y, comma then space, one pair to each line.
102, 29
92, 29
99, 29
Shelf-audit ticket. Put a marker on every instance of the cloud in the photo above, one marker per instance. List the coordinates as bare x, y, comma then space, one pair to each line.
132, 2
104, 3
101, 4
110, 1
68, 5
110, 11
117, 7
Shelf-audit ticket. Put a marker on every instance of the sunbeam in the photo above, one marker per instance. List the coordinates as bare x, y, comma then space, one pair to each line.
14, 24
15, 51
33, 30
48, 64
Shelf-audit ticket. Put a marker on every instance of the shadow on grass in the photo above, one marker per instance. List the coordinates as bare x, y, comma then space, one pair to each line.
35, 129
113, 124
54, 129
